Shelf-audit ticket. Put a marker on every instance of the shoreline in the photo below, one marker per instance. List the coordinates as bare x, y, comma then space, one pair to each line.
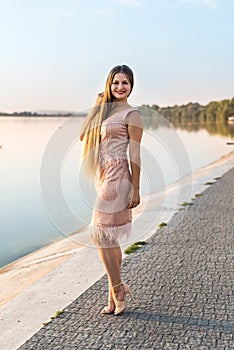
37, 285
183, 283
48, 257
21, 273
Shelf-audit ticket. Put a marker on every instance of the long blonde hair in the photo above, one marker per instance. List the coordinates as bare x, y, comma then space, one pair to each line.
91, 128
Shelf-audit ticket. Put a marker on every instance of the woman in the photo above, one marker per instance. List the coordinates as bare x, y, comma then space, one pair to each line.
109, 128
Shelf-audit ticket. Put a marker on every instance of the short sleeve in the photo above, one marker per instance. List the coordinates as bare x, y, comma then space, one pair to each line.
133, 117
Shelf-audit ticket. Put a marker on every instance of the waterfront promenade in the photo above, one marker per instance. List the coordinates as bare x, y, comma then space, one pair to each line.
183, 280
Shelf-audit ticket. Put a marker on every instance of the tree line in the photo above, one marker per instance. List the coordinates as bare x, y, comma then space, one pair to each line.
35, 114
215, 111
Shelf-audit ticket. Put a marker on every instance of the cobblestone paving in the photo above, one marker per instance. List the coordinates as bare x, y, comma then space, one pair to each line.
183, 280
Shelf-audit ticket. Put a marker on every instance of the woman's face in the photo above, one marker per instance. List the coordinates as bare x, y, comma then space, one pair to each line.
120, 87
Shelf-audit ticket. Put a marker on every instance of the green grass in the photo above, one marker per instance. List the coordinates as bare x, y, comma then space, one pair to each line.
162, 224
209, 183
57, 313
135, 246
184, 204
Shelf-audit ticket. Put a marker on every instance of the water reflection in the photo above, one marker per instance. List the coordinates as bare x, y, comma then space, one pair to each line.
25, 225
153, 120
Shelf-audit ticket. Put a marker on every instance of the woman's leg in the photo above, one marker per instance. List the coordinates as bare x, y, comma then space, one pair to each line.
112, 258
120, 256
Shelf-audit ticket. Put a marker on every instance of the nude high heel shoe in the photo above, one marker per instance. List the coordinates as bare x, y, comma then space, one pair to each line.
121, 304
107, 310
110, 308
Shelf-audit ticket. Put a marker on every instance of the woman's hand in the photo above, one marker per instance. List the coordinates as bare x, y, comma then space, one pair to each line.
134, 198
99, 98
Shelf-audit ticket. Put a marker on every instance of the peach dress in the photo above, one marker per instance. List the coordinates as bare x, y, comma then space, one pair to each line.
111, 218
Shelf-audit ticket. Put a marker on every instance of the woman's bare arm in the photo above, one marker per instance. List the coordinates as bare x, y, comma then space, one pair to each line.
135, 130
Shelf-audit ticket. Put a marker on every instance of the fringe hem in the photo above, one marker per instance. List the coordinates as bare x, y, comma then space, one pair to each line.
110, 234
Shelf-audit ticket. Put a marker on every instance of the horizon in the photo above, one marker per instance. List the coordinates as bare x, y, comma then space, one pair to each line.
56, 55
82, 111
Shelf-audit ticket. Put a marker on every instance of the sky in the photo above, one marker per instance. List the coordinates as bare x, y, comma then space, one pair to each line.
56, 54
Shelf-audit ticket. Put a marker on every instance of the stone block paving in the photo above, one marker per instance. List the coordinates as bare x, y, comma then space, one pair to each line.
183, 280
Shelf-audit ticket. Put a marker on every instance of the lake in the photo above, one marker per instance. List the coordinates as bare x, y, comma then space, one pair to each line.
45, 195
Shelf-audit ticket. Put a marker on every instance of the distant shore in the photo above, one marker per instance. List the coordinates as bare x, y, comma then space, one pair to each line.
30, 114
214, 111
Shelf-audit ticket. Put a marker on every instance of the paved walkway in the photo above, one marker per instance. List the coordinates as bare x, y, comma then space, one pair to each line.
183, 280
